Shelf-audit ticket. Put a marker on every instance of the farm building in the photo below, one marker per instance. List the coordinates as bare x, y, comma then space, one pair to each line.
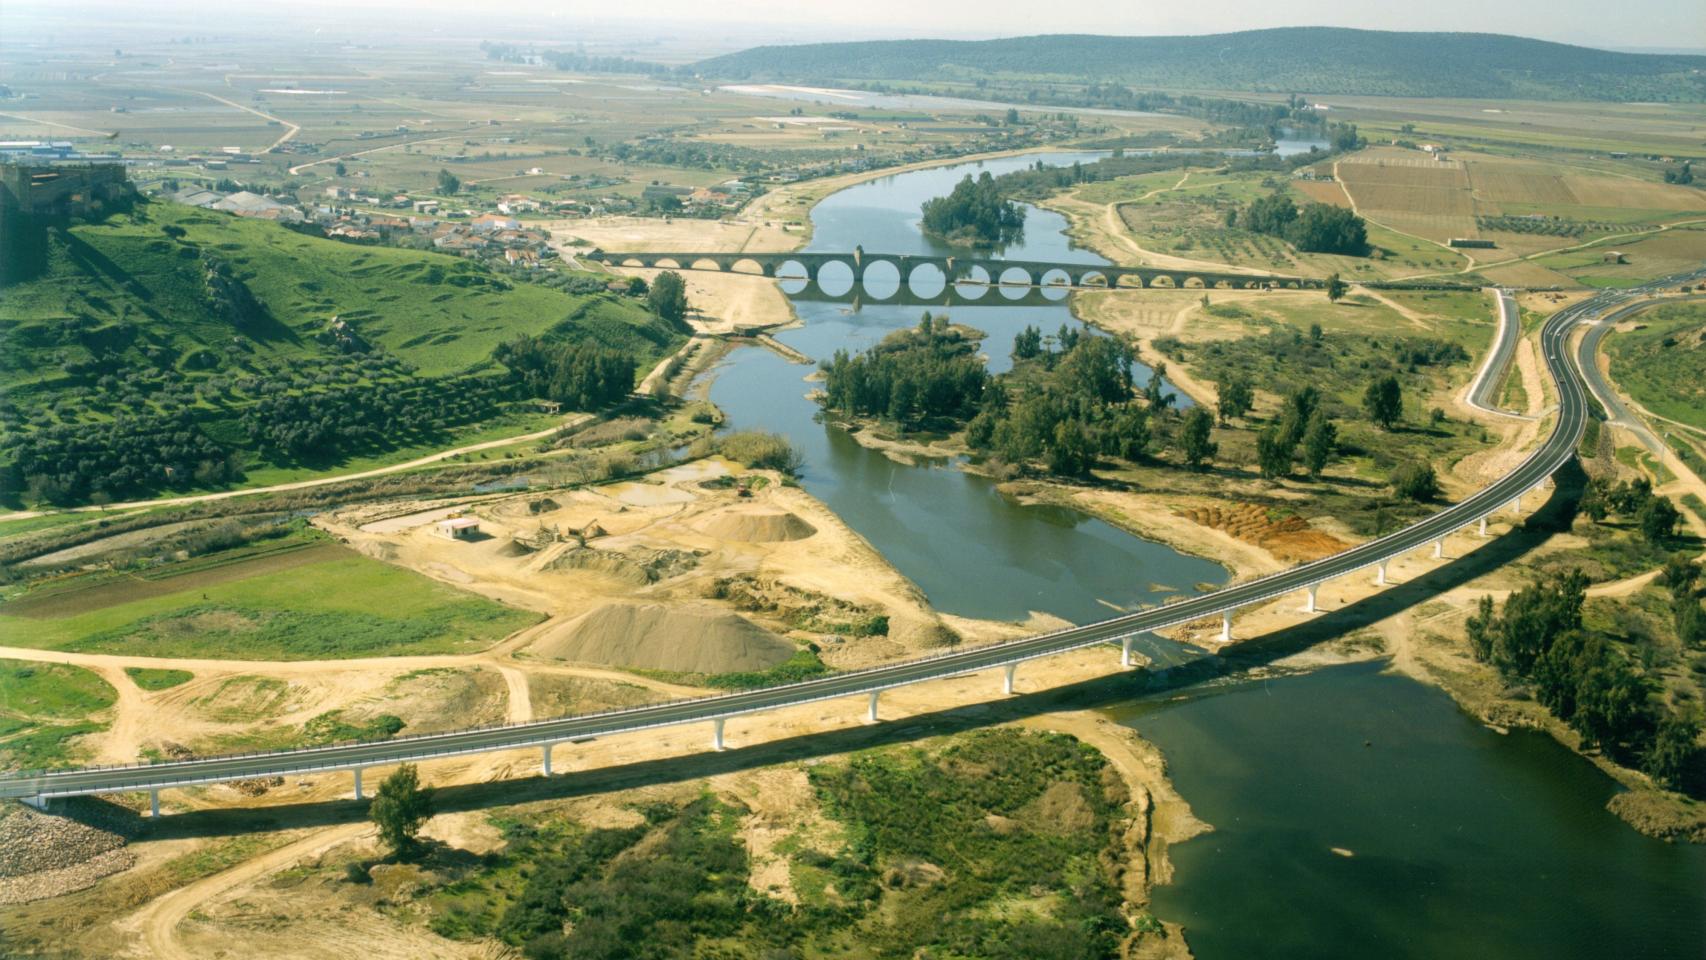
458, 528
1613, 256
1472, 242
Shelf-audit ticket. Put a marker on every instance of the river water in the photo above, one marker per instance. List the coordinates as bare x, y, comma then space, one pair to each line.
1438, 838
973, 552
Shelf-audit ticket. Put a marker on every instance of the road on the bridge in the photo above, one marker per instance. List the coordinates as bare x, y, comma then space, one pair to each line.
1558, 448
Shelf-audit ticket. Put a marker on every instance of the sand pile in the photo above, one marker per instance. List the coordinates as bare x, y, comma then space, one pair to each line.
753, 526
515, 548
688, 639
638, 566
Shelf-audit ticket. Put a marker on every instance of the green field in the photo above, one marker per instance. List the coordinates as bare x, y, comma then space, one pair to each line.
44, 707
343, 606
153, 678
1662, 363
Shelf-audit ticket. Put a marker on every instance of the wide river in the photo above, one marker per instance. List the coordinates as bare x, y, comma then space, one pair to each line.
1355, 813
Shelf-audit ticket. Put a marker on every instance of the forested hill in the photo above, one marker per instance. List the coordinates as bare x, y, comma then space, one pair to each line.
1323, 60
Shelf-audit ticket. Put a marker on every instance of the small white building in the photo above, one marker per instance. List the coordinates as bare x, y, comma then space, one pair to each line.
458, 528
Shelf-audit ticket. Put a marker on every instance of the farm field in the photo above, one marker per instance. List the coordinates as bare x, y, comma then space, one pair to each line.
322, 603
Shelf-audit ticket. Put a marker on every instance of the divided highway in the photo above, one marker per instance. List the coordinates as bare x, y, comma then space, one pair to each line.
1570, 417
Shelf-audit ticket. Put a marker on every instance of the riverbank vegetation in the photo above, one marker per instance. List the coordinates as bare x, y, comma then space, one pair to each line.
1605, 682
920, 849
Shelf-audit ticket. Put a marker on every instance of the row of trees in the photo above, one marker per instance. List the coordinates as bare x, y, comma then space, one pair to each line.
326, 425
581, 376
128, 457
1316, 228
1582, 677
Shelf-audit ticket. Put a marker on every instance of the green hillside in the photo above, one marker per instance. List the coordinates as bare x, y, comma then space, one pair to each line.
1319, 60
171, 347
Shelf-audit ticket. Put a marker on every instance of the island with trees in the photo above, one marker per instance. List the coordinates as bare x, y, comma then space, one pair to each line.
977, 213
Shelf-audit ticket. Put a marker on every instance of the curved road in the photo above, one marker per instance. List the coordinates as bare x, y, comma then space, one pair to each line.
1587, 360
1558, 448
1492, 374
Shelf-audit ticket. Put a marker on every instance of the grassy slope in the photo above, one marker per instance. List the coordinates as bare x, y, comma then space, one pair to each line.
348, 606
1663, 363
126, 306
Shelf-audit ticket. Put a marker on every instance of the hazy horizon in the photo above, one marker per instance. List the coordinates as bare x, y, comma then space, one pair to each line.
1640, 25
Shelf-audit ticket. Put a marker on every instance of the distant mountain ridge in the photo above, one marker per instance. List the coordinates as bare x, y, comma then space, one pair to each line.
1323, 60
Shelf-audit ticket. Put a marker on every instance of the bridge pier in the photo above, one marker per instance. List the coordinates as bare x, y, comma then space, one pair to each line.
545, 759
1516, 505
1311, 589
871, 711
1439, 549
154, 804
717, 734
1380, 574
357, 772
1007, 678
1226, 626
1125, 651
1483, 526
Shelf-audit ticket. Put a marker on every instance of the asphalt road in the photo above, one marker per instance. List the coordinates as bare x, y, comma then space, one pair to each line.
1587, 360
1558, 448
1491, 376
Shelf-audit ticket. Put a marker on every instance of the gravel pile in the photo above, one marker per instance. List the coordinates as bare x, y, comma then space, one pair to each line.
47, 854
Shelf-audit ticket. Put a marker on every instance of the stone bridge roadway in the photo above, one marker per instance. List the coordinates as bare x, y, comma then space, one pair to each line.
968, 269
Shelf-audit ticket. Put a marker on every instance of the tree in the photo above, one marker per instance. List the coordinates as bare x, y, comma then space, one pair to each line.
1672, 752
340, 169
1680, 575
1415, 481
1273, 454
1481, 625
449, 184
668, 297
1318, 443
1069, 452
399, 809
1237, 396
1658, 519
1194, 441
1384, 401
1027, 343
1336, 289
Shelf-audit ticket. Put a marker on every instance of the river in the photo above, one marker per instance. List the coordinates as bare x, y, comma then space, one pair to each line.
1356, 813
974, 552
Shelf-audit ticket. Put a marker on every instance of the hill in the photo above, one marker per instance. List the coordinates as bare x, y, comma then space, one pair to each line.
169, 347
1320, 60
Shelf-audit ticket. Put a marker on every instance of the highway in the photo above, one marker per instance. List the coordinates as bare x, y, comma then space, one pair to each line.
1570, 417
1587, 361
1492, 373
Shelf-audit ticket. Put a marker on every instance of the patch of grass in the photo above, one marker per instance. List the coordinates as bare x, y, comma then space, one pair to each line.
52, 690
346, 607
151, 678
1662, 362
44, 748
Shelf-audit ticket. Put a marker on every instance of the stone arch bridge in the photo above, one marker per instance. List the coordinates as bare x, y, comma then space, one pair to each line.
954, 269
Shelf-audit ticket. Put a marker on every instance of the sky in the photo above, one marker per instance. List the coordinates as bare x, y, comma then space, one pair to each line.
1624, 23
1617, 24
